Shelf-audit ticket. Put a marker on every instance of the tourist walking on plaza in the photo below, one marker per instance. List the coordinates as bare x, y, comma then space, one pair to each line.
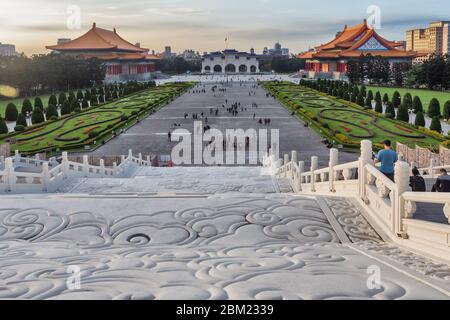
442, 183
387, 158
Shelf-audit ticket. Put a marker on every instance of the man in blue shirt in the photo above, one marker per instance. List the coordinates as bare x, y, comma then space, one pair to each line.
388, 158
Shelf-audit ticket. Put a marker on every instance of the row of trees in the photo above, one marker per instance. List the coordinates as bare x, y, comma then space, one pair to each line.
40, 74
433, 73
68, 103
178, 65
395, 107
282, 65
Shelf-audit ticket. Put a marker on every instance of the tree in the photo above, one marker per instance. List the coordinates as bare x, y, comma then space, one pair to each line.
360, 100
363, 91
74, 105
80, 95
447, 110
385, 98
434, 109
407, 99
436, 124
52, 112
52, 100
37, 116
21, 120
38, 103
370, 95
420, 119
396, 99
26, 106
378, 96
400, 72
368, 103
378, 106
403, 113
3, 126
417, 105
65, 109
11, 112
390, 110
61, 98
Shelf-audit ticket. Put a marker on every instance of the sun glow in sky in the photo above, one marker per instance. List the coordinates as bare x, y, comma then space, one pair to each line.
202, 25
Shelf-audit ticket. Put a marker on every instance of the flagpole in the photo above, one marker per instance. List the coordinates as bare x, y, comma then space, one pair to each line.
226, 59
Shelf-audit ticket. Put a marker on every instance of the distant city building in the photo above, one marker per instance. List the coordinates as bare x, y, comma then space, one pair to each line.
277, 51
230, 61
7, 50
168, 52
433, 40
330, 60
124, 61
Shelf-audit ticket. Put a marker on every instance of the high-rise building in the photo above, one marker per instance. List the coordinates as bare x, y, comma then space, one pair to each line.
434, 39
7, 49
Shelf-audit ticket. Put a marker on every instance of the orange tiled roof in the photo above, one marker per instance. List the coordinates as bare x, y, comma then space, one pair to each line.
347, 43
98, 39
123, 56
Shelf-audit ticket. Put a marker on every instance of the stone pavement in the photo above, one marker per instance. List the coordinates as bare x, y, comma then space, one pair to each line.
150, 136
236, 237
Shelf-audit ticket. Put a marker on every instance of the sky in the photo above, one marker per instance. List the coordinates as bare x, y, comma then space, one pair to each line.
203, 25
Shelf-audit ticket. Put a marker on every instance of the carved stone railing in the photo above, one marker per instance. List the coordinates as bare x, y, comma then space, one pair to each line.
51, 179
388, 205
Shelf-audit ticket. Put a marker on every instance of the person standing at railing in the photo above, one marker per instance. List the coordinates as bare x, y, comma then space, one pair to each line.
442, 183
387, 158
416, 182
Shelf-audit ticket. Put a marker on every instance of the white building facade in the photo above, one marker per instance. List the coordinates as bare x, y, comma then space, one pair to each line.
7, 50
230, 61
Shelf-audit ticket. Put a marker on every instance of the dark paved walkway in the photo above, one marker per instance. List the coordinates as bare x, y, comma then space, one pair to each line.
150, 136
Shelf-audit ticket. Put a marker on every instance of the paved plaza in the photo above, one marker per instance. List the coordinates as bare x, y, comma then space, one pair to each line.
237, 237
150, 136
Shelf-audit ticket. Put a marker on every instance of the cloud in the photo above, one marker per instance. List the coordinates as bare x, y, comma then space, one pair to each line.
175, 12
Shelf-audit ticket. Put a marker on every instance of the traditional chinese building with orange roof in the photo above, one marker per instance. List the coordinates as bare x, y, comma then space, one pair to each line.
123, 60
330, 60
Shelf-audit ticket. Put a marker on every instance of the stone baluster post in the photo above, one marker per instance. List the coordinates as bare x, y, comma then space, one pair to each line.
149, 161
314, 167
130, 155
9, 169
45, 177
102, 168
334, 160
85, 166
364, 159
16, 156
432, 165
401, 179
65, 165
294, 157
37, 160
114, 168
140, 159
301, 170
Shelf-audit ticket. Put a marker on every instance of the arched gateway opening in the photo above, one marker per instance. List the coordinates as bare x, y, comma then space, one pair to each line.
230, 68
253, 69
243, 68
207, 69
217, 68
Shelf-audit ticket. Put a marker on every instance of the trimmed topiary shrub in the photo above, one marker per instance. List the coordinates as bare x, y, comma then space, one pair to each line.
52, 100
436, 124
396, 99
61, 98
21, 120
19, 128
52, 112
26, 106
417, 105
447, 110
420, 119
65, 109
402, 113
378, 106
434, 109
3, 126
37, 116
11, 112
385, 98
38, 103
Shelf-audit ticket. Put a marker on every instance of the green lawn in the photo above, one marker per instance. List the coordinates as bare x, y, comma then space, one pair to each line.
18, 103
73, 130
345, 122
424, 95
